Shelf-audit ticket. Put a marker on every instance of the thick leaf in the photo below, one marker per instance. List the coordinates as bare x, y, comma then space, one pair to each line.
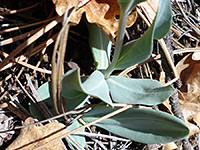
137, 51
95, 86
100, 46
78, 138
163, 22
141, 125
138, 91
71, 81
128, 5
76, 93
44, 91
76, 102
74, 98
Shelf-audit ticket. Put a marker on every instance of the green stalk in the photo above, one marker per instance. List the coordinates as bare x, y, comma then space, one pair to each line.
119, 42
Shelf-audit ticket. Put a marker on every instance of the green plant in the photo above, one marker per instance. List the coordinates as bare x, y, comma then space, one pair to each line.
161, 127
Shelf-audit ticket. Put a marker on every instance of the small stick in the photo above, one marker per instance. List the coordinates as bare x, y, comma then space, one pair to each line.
101, 135
25, 26
65, 131
19, 10
137, 65
20, 61
19, 37
163, 45
166, 52
30, 40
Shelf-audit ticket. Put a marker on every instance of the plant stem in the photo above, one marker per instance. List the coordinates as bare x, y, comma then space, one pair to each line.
119, 43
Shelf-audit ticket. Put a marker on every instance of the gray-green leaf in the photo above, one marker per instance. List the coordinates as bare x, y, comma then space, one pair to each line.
100, 46
141, 125
128, 5
163, 22
138, 91
95, 85
78, 138
137, 51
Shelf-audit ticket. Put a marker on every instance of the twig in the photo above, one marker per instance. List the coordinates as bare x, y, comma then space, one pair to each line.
166, 52
65, 131
20, 61
30, 40
43, 108
25, 26
57, 66
186, 50
19, 37
101, 135
187, 20
75, 142
24, 113
124, 72
19, 10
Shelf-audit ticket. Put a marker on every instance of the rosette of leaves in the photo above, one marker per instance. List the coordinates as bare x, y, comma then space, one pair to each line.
138, 124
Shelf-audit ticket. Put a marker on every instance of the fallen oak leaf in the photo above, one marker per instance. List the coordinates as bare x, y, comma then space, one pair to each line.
189, 94
154, 4
189, 110
196, 56
171, 146
30, 136
101, 12
196, 118
189, 72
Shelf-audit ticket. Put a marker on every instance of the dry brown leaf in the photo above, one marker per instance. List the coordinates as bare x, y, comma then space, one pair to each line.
149, 8
28, 136
154, 4
196, 56
101, 12
190, 109
196, 118
189, 72
170, 146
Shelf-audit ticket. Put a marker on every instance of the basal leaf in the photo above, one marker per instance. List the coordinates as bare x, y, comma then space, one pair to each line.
76, 102
138, 91
141, 125
75, 92
100, 46
95, 86
74, 96
78, 138
163, 22
128, 5
137, 51
71, 80
44, 91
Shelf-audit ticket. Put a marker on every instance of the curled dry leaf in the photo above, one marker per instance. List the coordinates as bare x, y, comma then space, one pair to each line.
101, 12
171, 146
149, 8
154, 4
189, 72
196, 56
29, 137
196, 118
189, 111
189, 95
